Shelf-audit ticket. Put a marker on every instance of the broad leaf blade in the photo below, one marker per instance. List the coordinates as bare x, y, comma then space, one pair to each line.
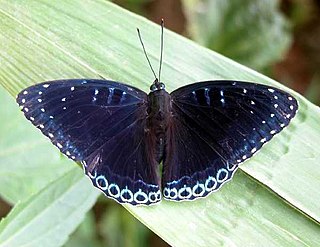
97, 38
47, 218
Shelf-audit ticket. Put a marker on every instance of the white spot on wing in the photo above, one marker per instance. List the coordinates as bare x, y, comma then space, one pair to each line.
63, 99
72, 88
123, 97
46, 85
111, 92
39, 100
271, 90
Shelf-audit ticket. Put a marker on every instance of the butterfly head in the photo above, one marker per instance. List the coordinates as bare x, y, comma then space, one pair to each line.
157, 85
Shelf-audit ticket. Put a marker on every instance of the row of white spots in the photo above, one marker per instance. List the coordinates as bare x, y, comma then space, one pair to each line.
124, 195
222, 97
96, 91
186, 192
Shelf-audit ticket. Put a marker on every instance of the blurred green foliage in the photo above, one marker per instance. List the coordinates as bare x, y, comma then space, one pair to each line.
252, 32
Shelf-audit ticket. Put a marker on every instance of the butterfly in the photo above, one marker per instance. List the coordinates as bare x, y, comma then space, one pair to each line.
200, 133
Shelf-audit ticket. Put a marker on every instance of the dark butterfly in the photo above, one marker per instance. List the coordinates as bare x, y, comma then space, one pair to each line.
200, 132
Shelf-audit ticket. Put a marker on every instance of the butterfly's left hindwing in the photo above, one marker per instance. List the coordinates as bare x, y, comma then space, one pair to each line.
216, 125
101, 124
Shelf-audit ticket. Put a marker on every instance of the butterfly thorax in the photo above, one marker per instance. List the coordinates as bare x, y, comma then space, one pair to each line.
158, 118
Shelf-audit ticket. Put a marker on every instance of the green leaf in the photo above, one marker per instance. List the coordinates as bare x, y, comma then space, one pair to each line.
28, 162
47, 218
252, 32
85, 235
274, 201
119, 228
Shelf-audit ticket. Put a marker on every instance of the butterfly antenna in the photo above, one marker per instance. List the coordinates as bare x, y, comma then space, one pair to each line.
161, 49
145, 53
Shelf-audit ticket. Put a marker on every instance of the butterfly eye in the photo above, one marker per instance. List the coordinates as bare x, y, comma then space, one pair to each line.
153, 88
161, 86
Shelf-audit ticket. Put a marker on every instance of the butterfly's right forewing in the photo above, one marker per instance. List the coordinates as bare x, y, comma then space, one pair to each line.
101, 124
215, 126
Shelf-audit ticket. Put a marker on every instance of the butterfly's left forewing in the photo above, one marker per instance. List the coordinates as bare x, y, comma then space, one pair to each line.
101, 124
215, 126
